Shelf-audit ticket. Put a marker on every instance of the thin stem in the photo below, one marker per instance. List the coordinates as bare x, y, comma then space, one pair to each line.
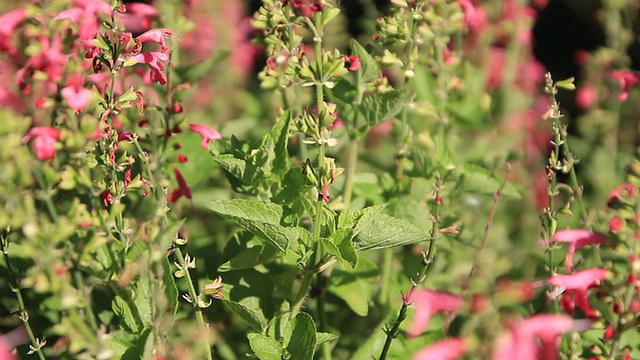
15, 287
485, 236
193, 294
428, 259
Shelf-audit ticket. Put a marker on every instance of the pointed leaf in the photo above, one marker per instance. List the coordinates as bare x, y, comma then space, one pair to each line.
369, 69
280, 134
384, 231
382, 106
252, 317
261, 219
265, 347
249, 258
303, 340
481, 181
324, 337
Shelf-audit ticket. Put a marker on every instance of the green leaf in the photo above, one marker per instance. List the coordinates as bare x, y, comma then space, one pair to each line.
443, 156
303, 340
252, 317
382, 106
481, 181
369, 69
566, 84
324, 337
170, 288
280, 134
170, 233
265, 347
261, 219
353, 292
342, 239
382, 231
249, 258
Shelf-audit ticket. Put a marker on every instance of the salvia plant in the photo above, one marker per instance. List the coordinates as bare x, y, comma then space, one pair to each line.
187, 180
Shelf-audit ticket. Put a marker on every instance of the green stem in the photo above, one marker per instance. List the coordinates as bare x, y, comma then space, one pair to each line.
387, 263
193, 294
302, 292
24, 316
428, 259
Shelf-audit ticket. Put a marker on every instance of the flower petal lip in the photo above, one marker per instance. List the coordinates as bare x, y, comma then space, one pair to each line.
206, 132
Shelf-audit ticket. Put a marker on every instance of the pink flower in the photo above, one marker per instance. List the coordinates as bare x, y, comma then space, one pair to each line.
586, 96
446, 349
138, 17
44, 141
430, 302
8, 23
154, 60
537, 337
475, 18
306, 8
576, 238
206, 132
75, 94
156, 35
574, 288
626, 80
352, 63
620, 193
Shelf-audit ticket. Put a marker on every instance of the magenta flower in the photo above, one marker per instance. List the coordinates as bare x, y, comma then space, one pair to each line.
626, 80
576, 238
427, 303
206, 132
75, 94
154, 60
44, 141
158, 36
446, 349
537, 337
138, 17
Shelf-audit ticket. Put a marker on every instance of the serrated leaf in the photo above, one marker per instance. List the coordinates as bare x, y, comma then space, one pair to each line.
382, 106
369, 69
260, 218
382, 231
481, 181
303, 339
280, 134
444, 156
343, 240
265, 347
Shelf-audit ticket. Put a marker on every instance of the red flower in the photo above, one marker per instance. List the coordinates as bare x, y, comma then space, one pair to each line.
352, 62
75, 94
446, 349
206, 132
586, 96
575, 289
430, 302
615, 224
306, 8
475, 18
626, 80
182, 190
536, 338
44, 141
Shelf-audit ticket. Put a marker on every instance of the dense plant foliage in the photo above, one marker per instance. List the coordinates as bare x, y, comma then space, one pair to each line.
418, 191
